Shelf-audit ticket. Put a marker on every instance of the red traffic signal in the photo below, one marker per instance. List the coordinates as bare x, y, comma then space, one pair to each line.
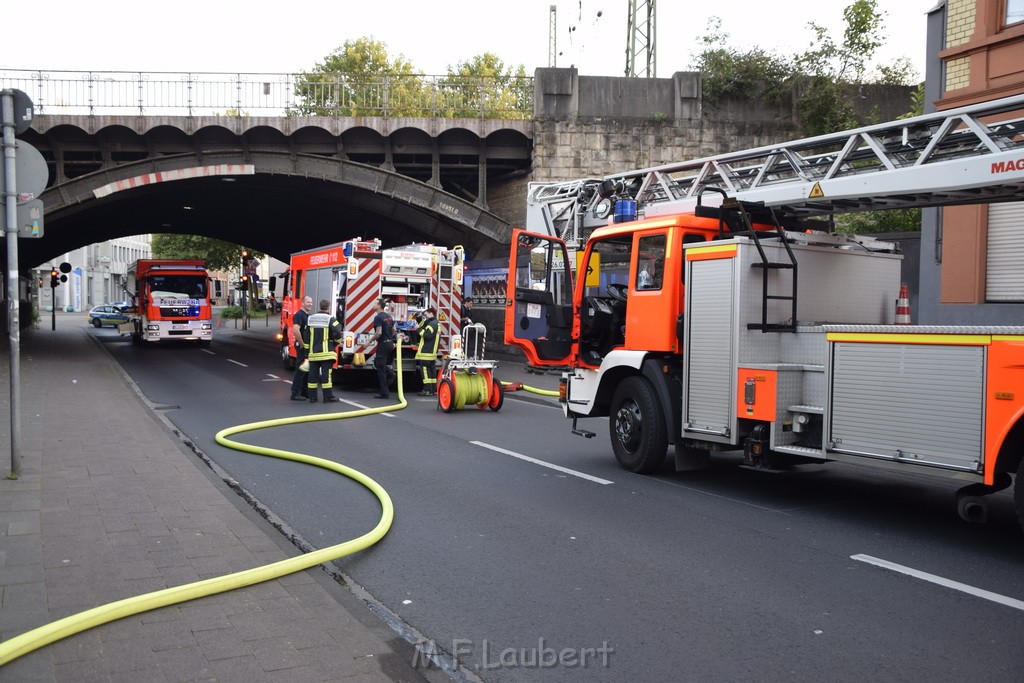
54, 277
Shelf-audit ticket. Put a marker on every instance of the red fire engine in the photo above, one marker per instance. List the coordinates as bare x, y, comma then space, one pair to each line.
353, 274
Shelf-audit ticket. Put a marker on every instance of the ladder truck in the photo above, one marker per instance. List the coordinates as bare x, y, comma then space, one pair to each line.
707, 305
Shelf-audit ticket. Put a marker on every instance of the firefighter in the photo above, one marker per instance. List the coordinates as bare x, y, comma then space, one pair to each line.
384, 334
299, 332
324, 333
426, 351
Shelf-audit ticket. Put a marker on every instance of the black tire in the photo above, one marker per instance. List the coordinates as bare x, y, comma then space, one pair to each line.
1018, 492
637, 427
97, 323
286, 358
446, 395
497, 398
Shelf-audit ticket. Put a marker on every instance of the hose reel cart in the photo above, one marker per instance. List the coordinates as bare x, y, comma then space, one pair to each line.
466, 378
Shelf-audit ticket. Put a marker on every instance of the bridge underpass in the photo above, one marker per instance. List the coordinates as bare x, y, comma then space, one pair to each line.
274, 189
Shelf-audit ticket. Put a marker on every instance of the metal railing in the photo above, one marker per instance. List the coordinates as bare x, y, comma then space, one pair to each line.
120, 93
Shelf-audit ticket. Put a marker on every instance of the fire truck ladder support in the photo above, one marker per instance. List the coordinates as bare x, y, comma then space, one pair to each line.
743, 211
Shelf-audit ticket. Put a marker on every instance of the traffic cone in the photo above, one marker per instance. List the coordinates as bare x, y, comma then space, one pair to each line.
903, 307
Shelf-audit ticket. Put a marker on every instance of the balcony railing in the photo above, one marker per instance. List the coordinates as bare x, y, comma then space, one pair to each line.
121, 93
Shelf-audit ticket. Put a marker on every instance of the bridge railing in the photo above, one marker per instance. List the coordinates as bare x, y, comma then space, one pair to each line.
121, 93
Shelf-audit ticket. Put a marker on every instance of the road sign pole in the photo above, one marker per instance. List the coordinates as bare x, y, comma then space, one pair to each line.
13, 323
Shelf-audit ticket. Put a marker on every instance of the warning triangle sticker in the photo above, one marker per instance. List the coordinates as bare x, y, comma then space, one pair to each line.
816, 192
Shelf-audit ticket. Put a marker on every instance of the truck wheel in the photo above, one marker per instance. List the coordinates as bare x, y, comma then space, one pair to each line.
637, 427
287, 358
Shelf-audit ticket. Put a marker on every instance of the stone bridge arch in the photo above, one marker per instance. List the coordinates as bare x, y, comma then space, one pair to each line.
257, 197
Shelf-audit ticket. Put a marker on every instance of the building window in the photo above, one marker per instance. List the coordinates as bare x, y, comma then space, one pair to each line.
1014, 11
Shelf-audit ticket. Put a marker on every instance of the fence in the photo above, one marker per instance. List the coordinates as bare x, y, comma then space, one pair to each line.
120, 93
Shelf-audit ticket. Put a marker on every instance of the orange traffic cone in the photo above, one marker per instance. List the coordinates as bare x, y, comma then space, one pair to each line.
903, 307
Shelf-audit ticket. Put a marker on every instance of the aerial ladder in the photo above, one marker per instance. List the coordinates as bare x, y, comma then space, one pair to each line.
968, 155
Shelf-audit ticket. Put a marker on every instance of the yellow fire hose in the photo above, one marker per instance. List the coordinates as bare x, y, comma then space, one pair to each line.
76, 623
532, 390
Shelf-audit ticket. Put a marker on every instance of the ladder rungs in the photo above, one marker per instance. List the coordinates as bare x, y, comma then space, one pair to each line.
773, 264
771, 327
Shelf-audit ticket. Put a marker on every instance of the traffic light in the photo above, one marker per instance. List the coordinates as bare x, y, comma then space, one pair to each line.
54, 277
243, 283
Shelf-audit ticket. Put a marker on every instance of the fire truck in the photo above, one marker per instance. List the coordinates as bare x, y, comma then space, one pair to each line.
709, 305
170, 300
352, 275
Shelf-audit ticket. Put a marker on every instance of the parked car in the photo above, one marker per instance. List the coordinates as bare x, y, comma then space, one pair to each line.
108, 314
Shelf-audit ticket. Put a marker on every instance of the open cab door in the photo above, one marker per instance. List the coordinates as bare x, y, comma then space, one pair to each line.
538, 306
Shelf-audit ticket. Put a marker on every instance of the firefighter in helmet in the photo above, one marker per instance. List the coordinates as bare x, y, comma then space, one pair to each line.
426, 351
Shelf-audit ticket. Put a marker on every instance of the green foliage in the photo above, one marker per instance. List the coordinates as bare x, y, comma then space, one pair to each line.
484, 87
873, 222
916, 103
235, 312
218, 254
230, 312
349, 81
361, 79
730, 73
823, 76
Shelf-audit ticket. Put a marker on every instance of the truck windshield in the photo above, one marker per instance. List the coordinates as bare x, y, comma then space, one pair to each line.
178, 286
608, 264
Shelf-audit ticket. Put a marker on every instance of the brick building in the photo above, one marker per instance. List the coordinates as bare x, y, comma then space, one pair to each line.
972, 257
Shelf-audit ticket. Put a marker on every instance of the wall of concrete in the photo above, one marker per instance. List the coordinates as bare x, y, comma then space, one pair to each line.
593, 126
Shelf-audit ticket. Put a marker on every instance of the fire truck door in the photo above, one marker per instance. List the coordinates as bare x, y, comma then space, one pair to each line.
538, 316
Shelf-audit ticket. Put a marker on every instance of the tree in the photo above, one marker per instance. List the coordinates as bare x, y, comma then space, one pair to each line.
218, 254
823, 76
485, 87
730, 73
361, 79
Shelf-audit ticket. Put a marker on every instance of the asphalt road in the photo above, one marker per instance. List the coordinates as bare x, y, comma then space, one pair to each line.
590, 573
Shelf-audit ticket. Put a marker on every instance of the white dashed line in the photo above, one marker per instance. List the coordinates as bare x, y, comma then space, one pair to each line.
948, 583
581, 475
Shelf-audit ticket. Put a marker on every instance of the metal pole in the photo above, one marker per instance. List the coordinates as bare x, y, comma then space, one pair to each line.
13, 324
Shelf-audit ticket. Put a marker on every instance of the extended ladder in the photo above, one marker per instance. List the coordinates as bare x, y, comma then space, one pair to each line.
969, 155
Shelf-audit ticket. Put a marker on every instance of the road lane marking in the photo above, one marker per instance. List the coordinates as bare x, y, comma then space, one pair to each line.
237, 363
581, 475
948, 583
208, 351
365, 407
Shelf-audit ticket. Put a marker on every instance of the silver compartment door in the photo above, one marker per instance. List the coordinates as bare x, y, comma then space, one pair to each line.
909, 402
710, 348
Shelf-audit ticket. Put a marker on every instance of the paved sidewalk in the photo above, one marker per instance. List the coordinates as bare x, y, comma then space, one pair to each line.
110, 505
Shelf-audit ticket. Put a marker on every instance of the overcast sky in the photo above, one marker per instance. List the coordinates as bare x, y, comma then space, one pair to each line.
257, 37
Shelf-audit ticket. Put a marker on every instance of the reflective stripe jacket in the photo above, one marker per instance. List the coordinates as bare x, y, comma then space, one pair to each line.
429, 340
324, 330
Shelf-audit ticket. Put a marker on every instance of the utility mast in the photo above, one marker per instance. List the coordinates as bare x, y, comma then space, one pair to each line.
641, 60
552, 37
